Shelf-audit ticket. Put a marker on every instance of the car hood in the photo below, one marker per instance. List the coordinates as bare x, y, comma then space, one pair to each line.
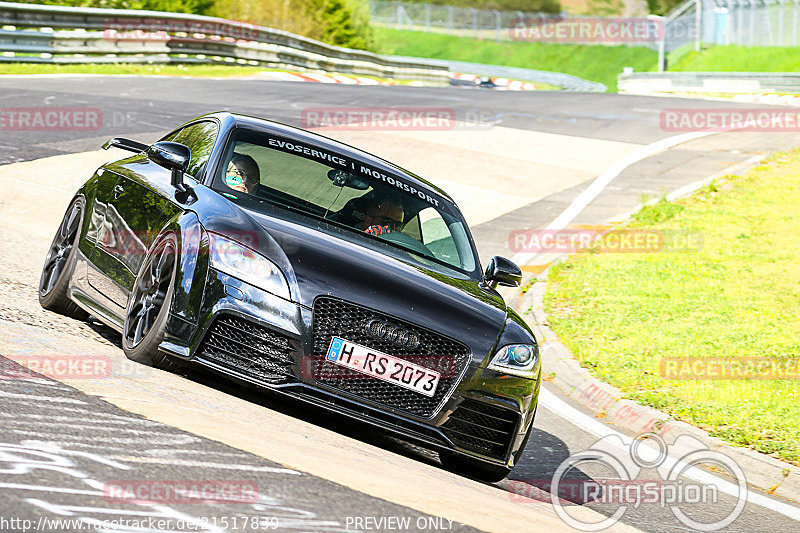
328, 261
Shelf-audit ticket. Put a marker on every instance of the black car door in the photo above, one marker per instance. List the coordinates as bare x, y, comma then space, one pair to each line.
142, 203
98, 232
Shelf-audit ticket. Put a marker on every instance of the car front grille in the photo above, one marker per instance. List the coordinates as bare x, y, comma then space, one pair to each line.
248, 348
482, 428
337, 318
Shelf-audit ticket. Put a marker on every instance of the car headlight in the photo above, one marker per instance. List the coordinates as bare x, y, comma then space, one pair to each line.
516, 359
236, 260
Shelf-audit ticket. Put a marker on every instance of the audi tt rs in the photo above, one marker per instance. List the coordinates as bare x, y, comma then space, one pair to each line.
292, 262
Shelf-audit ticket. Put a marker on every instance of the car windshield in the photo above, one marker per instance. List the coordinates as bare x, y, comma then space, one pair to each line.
349, 193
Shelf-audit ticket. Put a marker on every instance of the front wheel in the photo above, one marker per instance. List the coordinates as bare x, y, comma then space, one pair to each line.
60, 264
148, 305
472, 468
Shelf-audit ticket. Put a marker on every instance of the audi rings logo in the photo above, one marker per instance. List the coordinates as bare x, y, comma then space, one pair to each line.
384, 331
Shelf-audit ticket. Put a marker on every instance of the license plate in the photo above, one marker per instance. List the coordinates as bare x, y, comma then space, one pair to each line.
383, 366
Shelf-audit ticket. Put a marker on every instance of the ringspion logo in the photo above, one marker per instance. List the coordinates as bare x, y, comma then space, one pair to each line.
627, 488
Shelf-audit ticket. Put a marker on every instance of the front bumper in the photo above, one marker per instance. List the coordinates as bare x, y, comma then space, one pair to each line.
263, 340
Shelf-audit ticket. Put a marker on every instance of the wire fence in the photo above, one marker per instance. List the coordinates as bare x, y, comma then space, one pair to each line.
739, 22
480, 23
697, 22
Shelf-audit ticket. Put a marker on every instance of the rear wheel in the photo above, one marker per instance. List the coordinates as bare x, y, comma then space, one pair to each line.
148, 305
60, 264
472, 468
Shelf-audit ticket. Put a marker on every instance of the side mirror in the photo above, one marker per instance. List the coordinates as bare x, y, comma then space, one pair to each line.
501, 271
174, 157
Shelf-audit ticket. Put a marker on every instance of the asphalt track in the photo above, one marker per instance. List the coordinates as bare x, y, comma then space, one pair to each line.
531, 153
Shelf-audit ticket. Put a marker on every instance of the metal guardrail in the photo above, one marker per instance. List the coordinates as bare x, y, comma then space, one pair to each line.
708, 82
57, 34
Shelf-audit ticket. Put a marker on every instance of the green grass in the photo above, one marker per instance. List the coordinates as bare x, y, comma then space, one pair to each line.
740, 58
596, 63
736, 297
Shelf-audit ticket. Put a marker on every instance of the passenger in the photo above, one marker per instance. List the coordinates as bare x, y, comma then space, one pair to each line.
243, 174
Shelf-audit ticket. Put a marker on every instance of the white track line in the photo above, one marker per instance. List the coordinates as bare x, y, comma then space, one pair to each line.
601, 182
598, 429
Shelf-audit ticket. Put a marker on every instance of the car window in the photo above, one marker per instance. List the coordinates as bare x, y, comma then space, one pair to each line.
312, 180
200, 139
437, 236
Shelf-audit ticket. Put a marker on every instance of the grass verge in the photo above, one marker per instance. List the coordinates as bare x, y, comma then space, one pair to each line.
740, 58
595, 63
736, 297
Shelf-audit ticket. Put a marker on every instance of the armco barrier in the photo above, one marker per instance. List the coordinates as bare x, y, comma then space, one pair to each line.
708, 82
57, 34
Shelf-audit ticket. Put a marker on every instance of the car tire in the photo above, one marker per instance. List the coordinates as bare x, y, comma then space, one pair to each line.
472, 468
148, 305
60, 265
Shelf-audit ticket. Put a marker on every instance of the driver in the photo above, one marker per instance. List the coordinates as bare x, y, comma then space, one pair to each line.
242, 174
385, 216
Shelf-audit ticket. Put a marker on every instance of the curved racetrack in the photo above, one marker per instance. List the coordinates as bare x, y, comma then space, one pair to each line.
515, 161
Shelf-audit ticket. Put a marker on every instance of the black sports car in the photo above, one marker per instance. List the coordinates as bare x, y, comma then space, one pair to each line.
293, 262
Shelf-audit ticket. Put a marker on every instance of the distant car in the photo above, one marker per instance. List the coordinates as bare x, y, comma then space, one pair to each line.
285, 259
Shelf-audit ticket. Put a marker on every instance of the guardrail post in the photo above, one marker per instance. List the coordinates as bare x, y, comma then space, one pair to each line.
728, 22
450, 17
698, 23
780, 23
497, 25
474, 13
794, 22
427, 18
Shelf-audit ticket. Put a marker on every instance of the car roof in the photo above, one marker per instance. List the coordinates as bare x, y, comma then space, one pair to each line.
301, 135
